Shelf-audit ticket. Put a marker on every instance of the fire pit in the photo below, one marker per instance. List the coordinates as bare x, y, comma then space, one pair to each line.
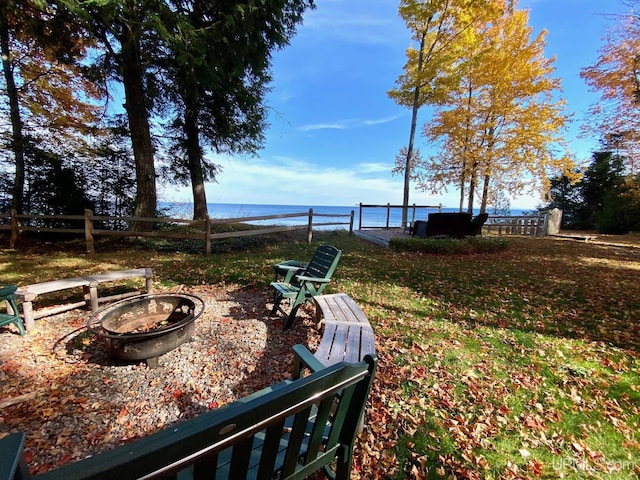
146, 326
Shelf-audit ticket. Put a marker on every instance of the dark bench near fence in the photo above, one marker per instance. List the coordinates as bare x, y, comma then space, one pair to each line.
29, 293
451, 224
286, 431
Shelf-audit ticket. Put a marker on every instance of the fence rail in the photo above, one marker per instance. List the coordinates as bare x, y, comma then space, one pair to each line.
389, 208
531, 225
18, 224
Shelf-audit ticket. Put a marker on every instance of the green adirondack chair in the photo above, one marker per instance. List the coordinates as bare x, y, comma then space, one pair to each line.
304, 286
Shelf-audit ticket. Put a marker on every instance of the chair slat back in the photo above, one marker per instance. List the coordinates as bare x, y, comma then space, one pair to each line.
323, 263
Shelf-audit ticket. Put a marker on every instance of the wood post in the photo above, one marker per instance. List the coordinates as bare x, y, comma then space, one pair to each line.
14, 228
351, 221
207, 235
310, 227
388, 214
88, 231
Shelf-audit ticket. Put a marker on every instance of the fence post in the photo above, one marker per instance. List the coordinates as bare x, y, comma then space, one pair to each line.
351, 221
88, 230
15, 226
310, 227
360, 218
543, 218
388, 214
207, 235
554, 222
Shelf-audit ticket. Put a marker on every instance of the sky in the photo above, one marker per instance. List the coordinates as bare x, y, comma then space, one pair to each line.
334, 133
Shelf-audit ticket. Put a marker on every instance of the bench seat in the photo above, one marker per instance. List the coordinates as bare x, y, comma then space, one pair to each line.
347, 334
89, 284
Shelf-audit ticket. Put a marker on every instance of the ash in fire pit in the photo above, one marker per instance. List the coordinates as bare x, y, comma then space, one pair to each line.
147, 326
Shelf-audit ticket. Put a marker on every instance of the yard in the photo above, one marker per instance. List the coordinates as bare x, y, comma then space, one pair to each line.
519, 364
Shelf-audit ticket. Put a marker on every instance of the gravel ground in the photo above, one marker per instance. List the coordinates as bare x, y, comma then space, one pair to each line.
71, 400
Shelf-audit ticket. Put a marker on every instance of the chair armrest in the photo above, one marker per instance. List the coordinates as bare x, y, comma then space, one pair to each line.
289, 269
303, 358
302, 278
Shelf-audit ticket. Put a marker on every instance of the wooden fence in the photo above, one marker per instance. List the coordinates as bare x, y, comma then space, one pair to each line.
39, 223
533, 225
389, 208
530, 225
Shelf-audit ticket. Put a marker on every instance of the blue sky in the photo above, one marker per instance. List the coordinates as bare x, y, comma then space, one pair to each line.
334, 133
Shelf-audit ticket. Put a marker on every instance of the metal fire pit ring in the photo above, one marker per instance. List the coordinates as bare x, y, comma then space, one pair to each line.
173, 316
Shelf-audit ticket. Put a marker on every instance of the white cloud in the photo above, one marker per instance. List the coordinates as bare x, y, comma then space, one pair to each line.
287, 181
367, 22
290, 182
374, 167
340, 125
347, 124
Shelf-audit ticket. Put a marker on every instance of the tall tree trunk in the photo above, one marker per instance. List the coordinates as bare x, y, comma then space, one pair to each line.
412, 135
138, 116
463, 173
487, 177
17, 141
473, 178
461, 206
485, 194
194, 157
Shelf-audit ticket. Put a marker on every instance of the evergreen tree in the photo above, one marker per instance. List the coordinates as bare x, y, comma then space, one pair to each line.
605, 199
218, 70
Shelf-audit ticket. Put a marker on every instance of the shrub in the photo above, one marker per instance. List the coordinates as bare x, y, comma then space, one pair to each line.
450, 245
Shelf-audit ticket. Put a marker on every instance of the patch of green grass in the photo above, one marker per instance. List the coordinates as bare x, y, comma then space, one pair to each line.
451, 246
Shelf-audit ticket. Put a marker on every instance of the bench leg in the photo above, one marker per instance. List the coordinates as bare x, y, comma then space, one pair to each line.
149, 284
27, 309
93, 297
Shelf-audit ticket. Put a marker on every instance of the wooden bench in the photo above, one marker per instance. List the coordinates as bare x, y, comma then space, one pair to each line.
29, 293
287, 431
347, 335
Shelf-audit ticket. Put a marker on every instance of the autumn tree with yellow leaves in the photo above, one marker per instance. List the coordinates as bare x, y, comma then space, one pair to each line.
441, 30
499, 128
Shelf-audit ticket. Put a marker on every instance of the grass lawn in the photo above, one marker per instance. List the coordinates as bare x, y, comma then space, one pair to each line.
523, 363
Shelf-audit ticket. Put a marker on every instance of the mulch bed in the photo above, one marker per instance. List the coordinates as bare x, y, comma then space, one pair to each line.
61, 389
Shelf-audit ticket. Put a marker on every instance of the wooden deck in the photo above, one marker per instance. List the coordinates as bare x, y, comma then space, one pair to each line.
380, 236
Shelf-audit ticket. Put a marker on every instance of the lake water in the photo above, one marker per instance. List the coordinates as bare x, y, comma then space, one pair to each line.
371, 217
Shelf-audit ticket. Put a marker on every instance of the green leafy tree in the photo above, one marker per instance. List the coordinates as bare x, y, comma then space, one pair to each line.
218, 70
606, 199
127, 34
565, 194
111, 176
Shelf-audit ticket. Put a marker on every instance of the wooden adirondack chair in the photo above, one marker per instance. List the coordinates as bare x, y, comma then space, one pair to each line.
8, 296
303, 287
